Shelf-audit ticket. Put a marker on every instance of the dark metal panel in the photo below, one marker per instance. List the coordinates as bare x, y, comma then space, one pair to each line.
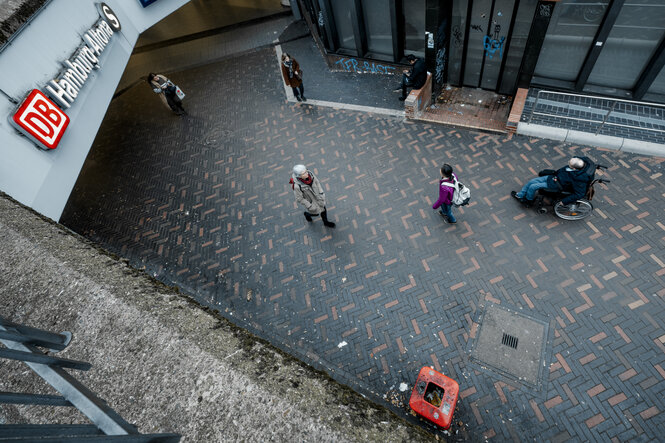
651, 71
137, 438
15, 431
33, 399
44, 359
80, 396
597, 46
469, 11
329, 25
442, 46
396, 28
37, 337
539, 25
431, 25
507, 49
359, 28
482, 65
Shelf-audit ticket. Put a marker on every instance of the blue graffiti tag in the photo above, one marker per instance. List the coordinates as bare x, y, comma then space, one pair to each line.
491, 45
352, 65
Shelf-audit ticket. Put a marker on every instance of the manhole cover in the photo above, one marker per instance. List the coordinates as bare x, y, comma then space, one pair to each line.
511, 343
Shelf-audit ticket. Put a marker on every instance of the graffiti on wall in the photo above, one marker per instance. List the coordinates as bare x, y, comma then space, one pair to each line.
441, 47
457, 35
494, 43
440, 65
354, 65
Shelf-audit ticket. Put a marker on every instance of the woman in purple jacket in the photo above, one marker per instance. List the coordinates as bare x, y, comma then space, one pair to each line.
446, 190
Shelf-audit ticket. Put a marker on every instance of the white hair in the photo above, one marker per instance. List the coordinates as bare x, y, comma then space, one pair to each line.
576, 163
299, 169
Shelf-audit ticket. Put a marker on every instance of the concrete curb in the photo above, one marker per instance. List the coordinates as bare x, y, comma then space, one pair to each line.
587, 138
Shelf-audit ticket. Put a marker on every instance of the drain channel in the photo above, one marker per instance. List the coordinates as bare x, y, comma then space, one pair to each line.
509, 340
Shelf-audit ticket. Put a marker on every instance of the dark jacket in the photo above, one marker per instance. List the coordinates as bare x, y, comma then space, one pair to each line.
292, 77
574, 181
418, 75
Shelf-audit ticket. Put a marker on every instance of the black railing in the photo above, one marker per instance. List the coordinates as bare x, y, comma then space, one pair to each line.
22, 343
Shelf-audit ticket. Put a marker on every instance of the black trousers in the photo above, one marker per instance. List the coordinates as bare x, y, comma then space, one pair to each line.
302, 90
324, 215
174, 103
406, 82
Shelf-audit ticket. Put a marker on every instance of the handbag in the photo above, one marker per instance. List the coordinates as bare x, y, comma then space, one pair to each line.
179, 93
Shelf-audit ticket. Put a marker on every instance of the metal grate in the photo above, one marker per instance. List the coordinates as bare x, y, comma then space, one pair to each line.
509, 340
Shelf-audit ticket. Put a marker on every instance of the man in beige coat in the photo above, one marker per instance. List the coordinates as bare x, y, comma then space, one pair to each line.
309, 193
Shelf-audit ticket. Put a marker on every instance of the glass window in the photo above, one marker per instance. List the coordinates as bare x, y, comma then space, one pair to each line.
341, 10
457, 29
414, 27
518, 41
632, 41
658, 85
569, 36
376, 15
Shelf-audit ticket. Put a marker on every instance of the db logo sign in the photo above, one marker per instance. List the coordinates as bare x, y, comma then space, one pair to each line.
41, 120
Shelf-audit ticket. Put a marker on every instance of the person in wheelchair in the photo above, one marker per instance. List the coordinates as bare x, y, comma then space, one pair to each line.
573, 179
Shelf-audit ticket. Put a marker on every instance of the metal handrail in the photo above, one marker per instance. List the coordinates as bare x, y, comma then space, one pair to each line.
21, 344
605, 118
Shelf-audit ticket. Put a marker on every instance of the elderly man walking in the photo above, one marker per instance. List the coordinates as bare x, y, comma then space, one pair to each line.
309, 193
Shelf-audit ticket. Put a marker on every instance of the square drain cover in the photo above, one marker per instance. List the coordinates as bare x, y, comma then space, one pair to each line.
511, 343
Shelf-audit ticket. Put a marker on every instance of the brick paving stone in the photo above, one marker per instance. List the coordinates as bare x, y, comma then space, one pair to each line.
203, 202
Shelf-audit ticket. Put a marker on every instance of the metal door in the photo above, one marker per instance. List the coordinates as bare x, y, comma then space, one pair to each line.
488, 28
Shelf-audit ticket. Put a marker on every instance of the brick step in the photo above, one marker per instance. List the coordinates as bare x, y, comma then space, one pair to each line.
516, 110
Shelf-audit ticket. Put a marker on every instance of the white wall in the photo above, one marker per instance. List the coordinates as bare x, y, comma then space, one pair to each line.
40, 179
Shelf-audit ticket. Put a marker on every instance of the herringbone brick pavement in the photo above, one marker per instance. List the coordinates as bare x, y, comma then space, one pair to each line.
203, 202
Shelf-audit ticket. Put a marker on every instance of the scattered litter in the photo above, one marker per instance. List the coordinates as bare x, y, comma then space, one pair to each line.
342, 344
403, 387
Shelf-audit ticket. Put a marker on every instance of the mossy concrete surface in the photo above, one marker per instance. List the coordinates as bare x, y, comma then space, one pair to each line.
161, 361
14, 14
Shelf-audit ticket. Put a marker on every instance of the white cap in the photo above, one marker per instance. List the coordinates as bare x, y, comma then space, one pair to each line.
299, 169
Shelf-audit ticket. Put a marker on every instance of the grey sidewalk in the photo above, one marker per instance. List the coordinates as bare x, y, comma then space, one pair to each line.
203, 202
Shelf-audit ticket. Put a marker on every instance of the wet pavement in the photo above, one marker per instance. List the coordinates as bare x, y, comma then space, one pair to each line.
203, 202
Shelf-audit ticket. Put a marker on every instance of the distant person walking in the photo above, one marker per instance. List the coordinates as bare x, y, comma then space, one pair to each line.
293, 76
416, 78
167, 91
446, 191
309, 193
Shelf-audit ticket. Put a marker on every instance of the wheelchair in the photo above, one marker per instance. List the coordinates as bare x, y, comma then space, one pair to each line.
582, 208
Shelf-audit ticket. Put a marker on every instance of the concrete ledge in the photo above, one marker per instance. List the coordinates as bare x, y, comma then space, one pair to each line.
161, 361
644, 148
589, 139
541, 131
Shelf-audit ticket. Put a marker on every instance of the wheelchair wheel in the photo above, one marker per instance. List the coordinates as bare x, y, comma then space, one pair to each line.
582, 209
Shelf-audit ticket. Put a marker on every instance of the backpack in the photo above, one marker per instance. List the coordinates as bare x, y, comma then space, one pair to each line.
462, 194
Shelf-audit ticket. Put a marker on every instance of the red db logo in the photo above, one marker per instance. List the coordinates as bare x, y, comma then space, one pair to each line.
41, 120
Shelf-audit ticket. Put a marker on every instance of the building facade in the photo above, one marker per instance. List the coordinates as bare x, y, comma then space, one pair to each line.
60, 69
612, 48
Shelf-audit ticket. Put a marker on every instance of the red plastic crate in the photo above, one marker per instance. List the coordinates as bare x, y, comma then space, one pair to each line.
430, 387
